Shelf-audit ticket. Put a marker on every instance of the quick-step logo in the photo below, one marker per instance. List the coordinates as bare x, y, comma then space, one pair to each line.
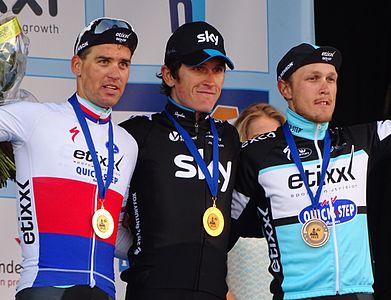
342, 210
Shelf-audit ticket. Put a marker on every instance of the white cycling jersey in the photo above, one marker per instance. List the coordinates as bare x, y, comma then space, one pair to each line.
57, 192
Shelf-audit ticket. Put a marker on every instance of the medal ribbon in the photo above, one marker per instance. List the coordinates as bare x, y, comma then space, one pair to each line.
296, 158
211, 180
102, 187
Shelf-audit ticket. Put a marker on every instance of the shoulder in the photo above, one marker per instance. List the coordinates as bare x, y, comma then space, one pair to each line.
136, 120
138, 126
264, 140
263, 149
360, 134
123, 133
227, 129
28, 109
135, 123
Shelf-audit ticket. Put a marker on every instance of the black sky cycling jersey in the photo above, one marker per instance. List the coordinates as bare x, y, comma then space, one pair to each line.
168, 197
269, 184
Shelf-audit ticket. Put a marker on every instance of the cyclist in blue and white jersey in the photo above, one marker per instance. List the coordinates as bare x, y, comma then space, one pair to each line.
306, 183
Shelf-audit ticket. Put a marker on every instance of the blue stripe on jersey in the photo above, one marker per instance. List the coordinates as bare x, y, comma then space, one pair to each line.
298, 260
70, 261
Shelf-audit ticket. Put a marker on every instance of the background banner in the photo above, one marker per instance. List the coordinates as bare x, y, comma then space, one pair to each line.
256, 32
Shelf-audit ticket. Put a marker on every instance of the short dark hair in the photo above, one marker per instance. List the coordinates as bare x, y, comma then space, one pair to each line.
83, 54
173, 66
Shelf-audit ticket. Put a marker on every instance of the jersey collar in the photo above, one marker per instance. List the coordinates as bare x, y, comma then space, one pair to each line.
304, 128
181, 112
93, 112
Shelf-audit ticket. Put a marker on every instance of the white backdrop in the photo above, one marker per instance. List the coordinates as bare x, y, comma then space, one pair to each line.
257, 33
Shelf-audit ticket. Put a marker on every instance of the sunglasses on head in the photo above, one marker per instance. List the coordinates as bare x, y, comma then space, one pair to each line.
105, 24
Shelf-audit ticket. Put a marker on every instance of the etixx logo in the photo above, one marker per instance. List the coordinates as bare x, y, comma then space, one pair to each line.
327, 56
121, 37
341, 210
34, 6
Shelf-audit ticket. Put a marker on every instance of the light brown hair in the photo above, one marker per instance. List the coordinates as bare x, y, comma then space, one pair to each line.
255, 111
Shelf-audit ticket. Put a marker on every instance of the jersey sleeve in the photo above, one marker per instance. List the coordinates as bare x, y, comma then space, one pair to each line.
124, 236
245, 199
18, 120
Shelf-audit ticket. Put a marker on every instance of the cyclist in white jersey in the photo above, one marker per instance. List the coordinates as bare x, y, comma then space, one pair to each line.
73, 171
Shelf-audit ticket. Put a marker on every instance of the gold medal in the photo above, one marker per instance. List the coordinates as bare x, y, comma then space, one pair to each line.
213, 220
315, 233
103, 223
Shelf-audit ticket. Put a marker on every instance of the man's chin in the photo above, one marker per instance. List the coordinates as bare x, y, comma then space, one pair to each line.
110, 100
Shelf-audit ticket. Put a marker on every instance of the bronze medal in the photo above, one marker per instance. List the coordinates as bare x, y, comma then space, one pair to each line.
213, 221
103, 223
315, 233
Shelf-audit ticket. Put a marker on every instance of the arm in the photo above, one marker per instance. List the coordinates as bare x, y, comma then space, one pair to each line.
245, 221
124, 235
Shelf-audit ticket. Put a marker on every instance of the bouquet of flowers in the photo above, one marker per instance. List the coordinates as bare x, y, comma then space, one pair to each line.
7, 164
13, 55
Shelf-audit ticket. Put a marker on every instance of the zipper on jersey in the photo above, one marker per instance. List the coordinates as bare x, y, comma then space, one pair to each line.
196, 127
331, 208
204, 236
92, 262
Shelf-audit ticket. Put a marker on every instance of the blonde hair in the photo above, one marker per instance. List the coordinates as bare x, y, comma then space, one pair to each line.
255, 111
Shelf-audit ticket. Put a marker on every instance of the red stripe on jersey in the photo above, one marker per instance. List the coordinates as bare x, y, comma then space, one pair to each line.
92, 114
66, 206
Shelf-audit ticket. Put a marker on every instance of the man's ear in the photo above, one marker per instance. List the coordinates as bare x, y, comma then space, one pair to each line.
285, 89
167, 76
76, 64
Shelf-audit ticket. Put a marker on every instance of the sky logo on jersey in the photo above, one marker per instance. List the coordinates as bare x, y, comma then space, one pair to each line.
344, 211
188, 168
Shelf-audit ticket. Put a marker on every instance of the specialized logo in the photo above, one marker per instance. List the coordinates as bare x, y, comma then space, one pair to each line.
271, 240
189, 169
25, 218
269, 135
35, 7
341, 210
206, 37
74, 132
